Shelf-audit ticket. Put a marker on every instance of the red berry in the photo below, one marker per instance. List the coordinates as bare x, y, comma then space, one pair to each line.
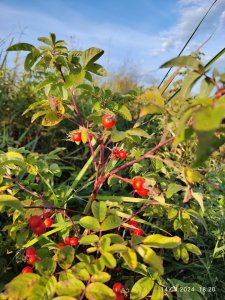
76, 137
142, 192
61, 245
115, 153
34, 221
32, 259
117, 287
108, 121
40, 229
67, 240
74, 241
30, 251
122, 154
119, 296
133, 223
48, 222
138, 183
27, 269
138, 231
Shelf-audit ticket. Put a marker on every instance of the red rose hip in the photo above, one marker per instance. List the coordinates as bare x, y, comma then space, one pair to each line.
40, 229
122, 154
138, 183
108, 121
117, 287
74, 241
76, 137
27, 269
30, 251
48, 222
34, 221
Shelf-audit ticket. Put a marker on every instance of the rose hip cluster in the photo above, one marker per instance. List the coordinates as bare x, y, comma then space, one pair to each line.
39, 225
122, 154
31, 259
136, 230
138, 185
69, 241
117, 289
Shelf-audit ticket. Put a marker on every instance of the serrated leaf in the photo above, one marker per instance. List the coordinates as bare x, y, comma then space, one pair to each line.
160, 241
90, 223
44, 289
187, 61
70, 287
117, 136
91, 55
141, 288
101, 277
99, 210
77, 79
125, 112
109, 260
11, 201
152, 259
65, 257
99, 291
111, 222
21, 286
199, 198
89, 239
21, 47
46, 266
130, 258
157, 293
138, 132
173, 188
96, 69
52, 118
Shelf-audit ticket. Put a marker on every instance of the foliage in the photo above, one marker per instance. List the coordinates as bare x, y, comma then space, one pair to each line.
143, 236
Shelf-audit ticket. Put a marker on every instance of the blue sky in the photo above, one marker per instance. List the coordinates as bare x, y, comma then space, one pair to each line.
137, 34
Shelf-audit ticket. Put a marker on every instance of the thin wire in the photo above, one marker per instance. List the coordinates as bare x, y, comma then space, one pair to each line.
193, 33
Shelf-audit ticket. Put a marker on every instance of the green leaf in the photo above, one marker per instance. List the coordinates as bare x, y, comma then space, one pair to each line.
46, 266
203, 115
199, 198
138, 132
141, 288
99, 210
11, 201
21, 47
21, 286
44, 289
31, 59
157, 293
115, 248
80, 272
176, 252
160, 241
109, 260
173, 188
45, 40
184, 254
183, 61
111, 222
117, 136
77, 78
101, 277
99, 291
130, 258
152, 259
64, 298
65, 257
89, 239
52, 118
96, 69
115, 238
91, 55
70, 287
193, 248
172, 213
125, 112
188, 83
90, 223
